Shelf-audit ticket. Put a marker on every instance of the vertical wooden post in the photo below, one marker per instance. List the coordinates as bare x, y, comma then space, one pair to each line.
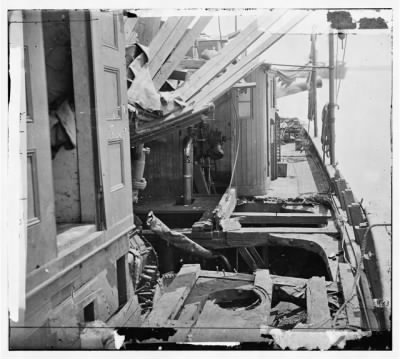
331, 107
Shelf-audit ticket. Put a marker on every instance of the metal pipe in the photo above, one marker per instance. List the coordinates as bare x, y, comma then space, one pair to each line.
187, 170
331, 106
138, 164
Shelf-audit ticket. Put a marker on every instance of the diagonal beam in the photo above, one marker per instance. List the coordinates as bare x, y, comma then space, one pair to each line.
166, 40
246, 64
228, 53
180, 51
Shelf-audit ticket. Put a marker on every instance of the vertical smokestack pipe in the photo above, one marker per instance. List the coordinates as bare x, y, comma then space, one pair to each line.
187, 170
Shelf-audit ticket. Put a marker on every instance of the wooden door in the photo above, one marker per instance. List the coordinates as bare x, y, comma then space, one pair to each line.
110, 90
42, 245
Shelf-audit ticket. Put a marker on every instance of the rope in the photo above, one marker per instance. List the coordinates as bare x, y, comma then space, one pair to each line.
340, 80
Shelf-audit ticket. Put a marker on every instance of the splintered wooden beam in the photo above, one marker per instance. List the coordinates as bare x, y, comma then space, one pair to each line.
175, 294
228, 53
166, 40
318, 314
349, 295
180, 51
246, 64
226, 205
205, 223
281, 218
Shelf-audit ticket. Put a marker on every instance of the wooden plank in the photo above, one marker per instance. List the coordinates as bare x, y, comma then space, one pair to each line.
160, 53
175, 294
350, 296
192, 63
226, 205
180, 51
318, 315
246, 64
228, 53
281, 218
244, 252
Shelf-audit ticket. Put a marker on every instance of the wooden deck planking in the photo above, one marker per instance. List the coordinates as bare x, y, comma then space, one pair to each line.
353, 305
318, 314
303, 176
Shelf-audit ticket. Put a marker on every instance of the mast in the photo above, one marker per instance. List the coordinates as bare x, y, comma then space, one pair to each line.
314, 82
331, 106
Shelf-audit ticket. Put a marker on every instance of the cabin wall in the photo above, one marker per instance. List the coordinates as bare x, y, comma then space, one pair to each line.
251, 173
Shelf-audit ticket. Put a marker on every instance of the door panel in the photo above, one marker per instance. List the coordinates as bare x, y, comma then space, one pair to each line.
112, 118
42, 245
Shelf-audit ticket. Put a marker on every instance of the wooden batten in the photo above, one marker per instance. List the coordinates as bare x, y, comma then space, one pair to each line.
231, 51
247, 63
166, 40
318, 314
179, 52
348, 199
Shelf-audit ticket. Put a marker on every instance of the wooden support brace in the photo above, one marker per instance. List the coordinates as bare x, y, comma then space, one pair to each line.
192, 63
318, 315
353, 306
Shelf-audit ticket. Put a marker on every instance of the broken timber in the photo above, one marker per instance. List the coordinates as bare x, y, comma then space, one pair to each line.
179, 52
225, 207
247, 63
281, 218
227, 54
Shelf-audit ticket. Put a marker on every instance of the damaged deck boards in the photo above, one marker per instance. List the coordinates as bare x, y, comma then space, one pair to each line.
281, 218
